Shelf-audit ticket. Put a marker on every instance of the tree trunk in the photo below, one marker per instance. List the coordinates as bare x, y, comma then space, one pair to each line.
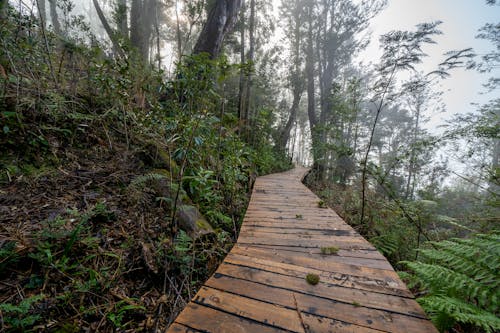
178, 34
122, 18
241, 91
43, 11
285, 134
297, 78
54, 17
318, 165
3, 9
141, 26
248, 112
109, 30
221, 19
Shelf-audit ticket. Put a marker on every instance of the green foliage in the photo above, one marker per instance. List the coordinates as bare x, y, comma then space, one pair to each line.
8, 255
387, 244
461, 282
20, 316
120, 310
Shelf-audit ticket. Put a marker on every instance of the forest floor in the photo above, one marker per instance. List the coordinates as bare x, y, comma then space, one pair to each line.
82, 251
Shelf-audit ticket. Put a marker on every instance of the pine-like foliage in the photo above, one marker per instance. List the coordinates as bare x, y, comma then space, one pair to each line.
460, 278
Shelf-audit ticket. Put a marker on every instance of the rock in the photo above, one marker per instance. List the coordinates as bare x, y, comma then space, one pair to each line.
192, 221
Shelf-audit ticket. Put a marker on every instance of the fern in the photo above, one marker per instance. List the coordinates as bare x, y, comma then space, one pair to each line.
461, 281
386, 244
440, 307
143, 180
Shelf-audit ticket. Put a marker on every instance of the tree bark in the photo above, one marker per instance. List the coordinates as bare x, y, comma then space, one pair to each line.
122, 18
248, 112
221, 19
3, 9
241, 91
54, 17
43, 11
141, 26
109, 30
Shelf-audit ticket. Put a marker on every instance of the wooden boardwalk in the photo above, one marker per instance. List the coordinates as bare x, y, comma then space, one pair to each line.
260, 287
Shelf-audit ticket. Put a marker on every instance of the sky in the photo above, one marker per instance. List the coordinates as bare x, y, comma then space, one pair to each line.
461, 21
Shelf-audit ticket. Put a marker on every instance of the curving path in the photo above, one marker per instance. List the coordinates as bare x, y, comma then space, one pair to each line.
260, 287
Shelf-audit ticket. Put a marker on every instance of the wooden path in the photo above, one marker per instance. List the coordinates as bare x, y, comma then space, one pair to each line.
260, 287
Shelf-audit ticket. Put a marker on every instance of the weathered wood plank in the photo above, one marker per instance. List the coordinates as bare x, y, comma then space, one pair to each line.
261, 286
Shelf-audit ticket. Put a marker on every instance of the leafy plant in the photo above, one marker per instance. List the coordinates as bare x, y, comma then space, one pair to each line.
19, 316
121, 309
461, 280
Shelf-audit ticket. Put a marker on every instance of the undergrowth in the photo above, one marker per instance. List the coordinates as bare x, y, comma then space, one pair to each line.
97, 157
460, 282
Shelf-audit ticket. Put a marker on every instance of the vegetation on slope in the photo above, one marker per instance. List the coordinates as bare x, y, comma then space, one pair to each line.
119, 193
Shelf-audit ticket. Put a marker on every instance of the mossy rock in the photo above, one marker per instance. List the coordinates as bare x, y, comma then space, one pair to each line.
161, 158
192, 221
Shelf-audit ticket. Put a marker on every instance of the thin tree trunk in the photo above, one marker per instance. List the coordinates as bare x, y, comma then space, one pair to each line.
157, 31
410, 186
251, 51
178, 31
241, 91
121, 18
298, 86
3, 9
109, 30
370, 142
54, 17
43, 11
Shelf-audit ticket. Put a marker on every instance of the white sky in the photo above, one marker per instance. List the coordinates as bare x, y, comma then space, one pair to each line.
461, 21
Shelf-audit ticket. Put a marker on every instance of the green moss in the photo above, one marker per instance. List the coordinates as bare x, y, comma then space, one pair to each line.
312, 279
356, 304
322, 204
329, 250
298, 216
202, 224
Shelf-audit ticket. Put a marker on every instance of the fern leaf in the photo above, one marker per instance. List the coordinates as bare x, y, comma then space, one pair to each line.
460, 311
440, 279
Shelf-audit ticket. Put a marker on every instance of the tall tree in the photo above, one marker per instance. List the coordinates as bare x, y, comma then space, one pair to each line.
142, 18
241, 90
222, 16
55, 17
291, 11
111, 33
401, 51
335, 42
250, 59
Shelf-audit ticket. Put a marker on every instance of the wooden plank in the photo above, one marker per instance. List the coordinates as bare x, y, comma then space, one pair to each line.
320, 261
346, 313
325, 290
178, 328
261, 286
206, 319
356, 282
264, 312
369, 254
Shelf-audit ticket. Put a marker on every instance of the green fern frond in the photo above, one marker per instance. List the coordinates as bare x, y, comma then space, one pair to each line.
386, 244
438, 279
460, 311
461, 280
465, 259
141, 181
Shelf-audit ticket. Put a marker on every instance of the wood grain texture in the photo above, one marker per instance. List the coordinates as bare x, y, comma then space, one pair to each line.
261, 286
